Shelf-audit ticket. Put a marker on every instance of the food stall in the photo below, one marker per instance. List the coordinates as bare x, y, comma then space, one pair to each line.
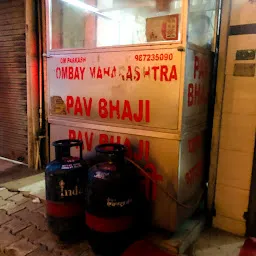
136, 72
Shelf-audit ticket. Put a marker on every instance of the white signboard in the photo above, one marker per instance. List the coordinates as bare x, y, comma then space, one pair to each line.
137, 88
196, 89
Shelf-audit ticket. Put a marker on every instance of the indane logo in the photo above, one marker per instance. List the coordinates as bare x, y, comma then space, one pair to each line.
69, 192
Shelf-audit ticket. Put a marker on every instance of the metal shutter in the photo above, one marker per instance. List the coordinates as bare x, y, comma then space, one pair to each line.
13, 92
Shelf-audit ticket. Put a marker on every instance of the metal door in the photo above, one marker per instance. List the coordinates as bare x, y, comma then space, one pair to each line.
13, 92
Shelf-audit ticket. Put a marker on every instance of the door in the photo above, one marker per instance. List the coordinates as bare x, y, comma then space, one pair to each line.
13, 92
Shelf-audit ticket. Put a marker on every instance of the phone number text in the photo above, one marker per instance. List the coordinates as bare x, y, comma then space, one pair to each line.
154, 57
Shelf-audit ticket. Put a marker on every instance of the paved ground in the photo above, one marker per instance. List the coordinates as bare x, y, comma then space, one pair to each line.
214, 242
23, 229
11, 171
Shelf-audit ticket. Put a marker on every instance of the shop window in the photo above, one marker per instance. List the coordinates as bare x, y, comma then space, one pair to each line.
91, 23
201, 20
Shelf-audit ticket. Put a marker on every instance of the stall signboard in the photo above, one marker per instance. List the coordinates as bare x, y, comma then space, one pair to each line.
128, 88
196, 89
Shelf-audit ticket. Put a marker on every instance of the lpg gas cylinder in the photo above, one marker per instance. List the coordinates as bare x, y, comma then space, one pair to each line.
111, 201
65, 180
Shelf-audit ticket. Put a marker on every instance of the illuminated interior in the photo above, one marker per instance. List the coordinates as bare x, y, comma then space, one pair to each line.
90, 23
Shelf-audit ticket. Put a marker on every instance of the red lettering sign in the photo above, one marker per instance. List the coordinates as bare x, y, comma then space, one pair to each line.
113, 109
70, 73
194, 144
156, 177
153, 57
141, 153
162, 73
194, 173
197, 94
87, 139
63, 60
197, 90
80, 106
72, 60
200, 67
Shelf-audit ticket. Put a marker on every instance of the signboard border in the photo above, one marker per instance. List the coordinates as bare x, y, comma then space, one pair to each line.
140, 48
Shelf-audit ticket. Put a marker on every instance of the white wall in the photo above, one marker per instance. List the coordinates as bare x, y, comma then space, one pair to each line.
237, 128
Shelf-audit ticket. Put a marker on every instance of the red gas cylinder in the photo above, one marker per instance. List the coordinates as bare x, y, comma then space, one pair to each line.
112, 201
146, 248
65, 181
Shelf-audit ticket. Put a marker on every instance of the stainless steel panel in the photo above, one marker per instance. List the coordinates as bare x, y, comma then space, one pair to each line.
191, 165
157, 155
136, 87
196, 89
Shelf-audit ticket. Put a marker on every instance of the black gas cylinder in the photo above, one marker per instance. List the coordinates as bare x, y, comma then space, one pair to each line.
65, 180
111, 201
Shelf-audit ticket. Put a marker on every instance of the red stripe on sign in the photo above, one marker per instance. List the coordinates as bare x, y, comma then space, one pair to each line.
64, 210
108, 225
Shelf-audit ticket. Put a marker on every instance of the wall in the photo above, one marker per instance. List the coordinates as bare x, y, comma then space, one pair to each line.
234, 120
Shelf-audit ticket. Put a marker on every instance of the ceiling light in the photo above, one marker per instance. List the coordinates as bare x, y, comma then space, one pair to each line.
86, 7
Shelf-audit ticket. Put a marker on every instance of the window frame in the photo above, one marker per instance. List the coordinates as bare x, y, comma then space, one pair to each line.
181, 42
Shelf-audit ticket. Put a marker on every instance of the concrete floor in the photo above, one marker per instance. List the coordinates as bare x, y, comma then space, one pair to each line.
12, 171
212, 242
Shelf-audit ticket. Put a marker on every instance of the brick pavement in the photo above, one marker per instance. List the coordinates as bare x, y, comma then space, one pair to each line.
24, 232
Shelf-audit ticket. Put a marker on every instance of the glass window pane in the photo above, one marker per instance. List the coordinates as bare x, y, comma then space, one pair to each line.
91, 23
201, 20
